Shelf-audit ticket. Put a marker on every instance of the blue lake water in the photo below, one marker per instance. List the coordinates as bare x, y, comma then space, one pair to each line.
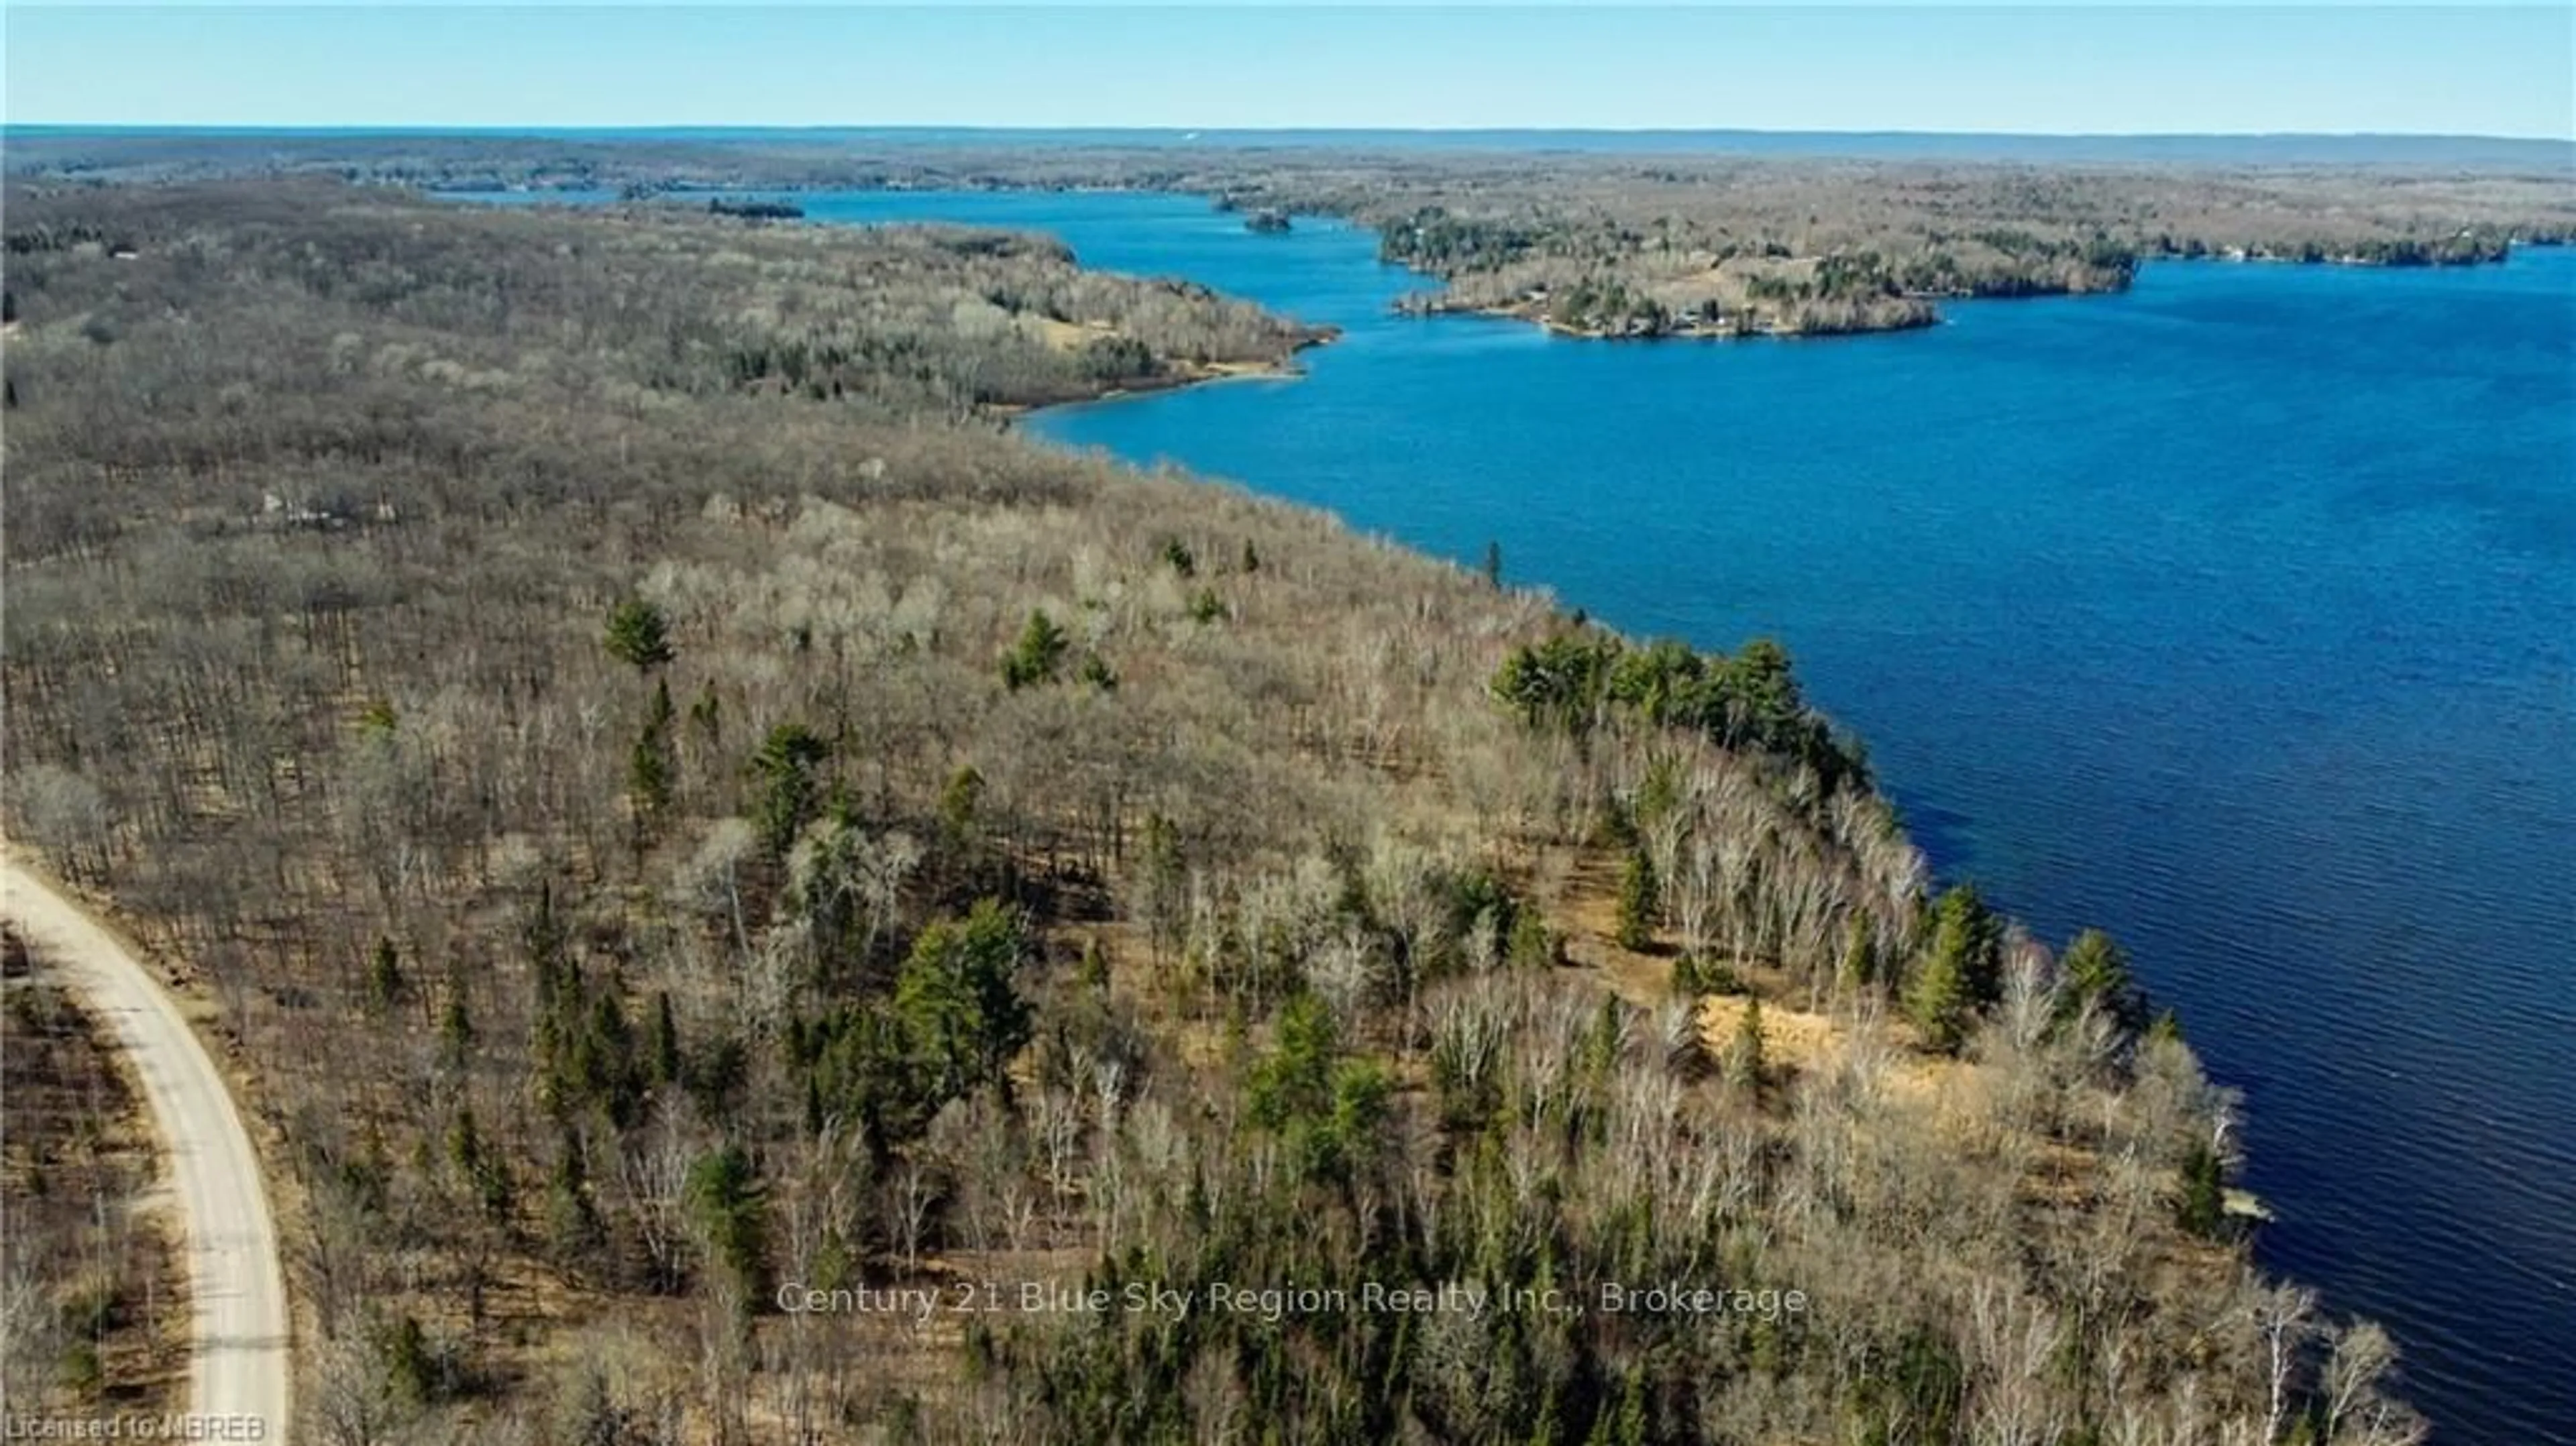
2235, 614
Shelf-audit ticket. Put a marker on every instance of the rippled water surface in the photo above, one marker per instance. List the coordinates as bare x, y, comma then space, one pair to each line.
2236, 614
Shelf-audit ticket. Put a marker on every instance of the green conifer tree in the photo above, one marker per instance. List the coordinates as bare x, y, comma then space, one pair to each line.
1036, 656
961, 802
2204, 1191
724, 1201
1937, 1001
385, 983
663, 1064
639, 635
958, 1000
1860, 954
455, 1032
1746, 1063
783, 773
1639, 901
2097, 971
652, 768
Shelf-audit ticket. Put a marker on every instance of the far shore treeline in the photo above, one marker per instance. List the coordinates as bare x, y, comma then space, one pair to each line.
1745, 235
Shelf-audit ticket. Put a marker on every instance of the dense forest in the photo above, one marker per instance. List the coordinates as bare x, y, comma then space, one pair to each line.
697, 835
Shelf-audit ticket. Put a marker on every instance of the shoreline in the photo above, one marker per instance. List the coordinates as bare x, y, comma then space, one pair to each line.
1184, 375
1696, 330
1524, 311
1533, 312
1431, 306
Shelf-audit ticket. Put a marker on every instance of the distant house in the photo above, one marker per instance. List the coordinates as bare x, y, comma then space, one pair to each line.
295, 513
276, 511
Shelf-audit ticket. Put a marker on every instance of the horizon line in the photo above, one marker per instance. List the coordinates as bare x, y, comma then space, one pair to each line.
810, 127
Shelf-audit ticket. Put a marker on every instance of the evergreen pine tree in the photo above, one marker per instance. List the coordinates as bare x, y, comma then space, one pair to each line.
2097, 970
455, 1032
1937, 1001
1969, 938
1745, 1061
1638, 901
652, 767
465, 1143
1035, 657
1860, 954
1533, 944
958, 1002
707, 716
724, 1201
783, 771
639, 635
2204, 1191
662, 1059
960, 800
543, 937
384, 976
572, 1217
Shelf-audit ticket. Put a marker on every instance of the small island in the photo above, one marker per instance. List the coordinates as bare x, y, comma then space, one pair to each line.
756, 210
1268, 221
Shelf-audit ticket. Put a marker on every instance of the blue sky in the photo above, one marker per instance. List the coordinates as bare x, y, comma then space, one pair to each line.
2054, 69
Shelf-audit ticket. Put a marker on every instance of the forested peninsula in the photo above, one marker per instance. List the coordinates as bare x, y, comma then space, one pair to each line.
1716, 250
698, 839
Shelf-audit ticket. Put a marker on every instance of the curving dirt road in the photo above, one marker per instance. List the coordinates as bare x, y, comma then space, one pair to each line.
236, 1288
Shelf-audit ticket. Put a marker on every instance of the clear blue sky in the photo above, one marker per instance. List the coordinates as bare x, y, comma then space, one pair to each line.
2054, 69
